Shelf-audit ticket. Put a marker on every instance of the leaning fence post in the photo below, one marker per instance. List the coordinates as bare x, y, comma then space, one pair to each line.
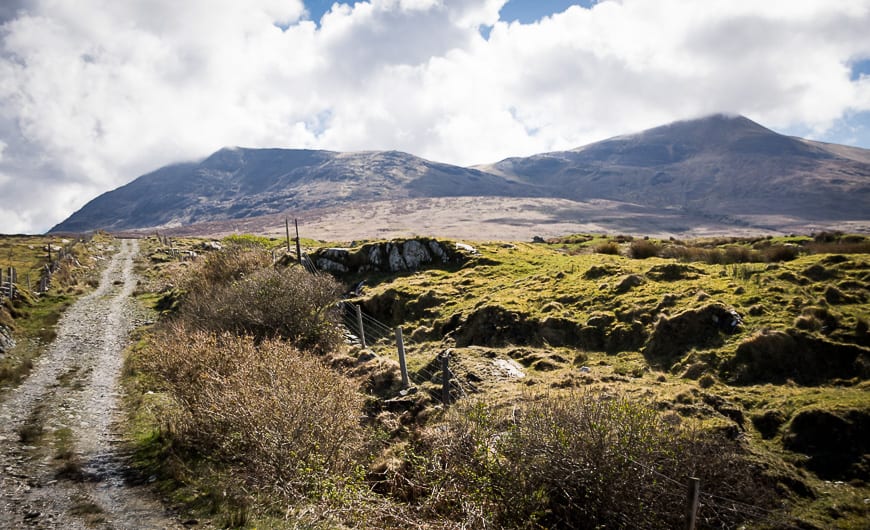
692, 502
400, 344
359, 323
445, 377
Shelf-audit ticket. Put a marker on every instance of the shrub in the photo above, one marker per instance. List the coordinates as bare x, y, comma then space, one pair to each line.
738, 254
606, 248
248, 240
776, 253
580, 461
226, 266
278, 418
643, 249
290, 303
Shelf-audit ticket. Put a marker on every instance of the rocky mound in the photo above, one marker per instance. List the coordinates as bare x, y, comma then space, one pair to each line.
391, 256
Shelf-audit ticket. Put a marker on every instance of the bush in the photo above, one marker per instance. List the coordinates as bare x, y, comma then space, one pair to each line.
290, 303
224, 267
248, 240
643, 249
278, 418
606, 248
775, 253
580, 461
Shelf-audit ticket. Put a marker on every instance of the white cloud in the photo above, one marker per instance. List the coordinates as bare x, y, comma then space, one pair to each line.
94, 93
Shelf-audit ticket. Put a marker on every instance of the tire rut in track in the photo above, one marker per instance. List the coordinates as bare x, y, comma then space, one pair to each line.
61, 463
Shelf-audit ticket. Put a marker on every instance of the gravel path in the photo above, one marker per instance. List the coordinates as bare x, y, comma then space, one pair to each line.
61, 464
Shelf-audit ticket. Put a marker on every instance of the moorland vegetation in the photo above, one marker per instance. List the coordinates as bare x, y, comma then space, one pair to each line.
597, 375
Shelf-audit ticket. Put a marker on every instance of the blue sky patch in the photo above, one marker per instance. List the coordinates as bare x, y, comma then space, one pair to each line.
528, 11
524, 11
860, 68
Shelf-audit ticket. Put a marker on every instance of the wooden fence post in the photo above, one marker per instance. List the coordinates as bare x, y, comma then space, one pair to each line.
692, 501
359, 323
445, 377
298, 243
400, 344
287, 231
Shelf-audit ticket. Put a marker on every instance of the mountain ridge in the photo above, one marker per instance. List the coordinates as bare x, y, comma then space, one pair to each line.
720, 166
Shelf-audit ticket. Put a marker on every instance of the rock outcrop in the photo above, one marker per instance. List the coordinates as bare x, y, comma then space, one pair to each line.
391, 256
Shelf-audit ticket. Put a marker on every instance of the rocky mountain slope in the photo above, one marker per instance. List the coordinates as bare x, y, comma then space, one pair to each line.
236, 183
722, 168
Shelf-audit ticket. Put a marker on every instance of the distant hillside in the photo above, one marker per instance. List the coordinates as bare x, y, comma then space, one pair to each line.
237, 183
728, 171
719, 166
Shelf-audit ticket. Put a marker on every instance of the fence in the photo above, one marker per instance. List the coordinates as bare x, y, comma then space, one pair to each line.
365, 330
11, 284
7, 283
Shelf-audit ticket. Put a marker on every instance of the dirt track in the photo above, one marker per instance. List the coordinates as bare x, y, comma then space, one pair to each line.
61, 465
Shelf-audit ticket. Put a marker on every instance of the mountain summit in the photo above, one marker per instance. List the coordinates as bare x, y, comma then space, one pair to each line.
721, 167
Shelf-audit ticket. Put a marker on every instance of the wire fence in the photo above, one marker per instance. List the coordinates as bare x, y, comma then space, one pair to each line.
12, 283
711, 507
366, 330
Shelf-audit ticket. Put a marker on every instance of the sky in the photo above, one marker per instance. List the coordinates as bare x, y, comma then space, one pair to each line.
94, 93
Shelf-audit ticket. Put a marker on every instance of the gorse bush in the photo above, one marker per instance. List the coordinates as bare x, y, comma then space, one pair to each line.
289, 303
577, 461
278, 418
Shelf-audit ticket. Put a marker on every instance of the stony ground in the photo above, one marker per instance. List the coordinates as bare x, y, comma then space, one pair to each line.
62, 464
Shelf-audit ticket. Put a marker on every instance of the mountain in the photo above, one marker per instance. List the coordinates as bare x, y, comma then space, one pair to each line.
719, 165
725, 170
237, 183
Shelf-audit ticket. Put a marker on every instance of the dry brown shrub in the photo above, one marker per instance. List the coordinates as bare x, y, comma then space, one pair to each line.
226, 266
579, 460
276, 416
643, 249
606, 248
775, 253
289, 303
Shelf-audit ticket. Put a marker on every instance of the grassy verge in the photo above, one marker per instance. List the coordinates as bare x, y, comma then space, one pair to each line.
32, 317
